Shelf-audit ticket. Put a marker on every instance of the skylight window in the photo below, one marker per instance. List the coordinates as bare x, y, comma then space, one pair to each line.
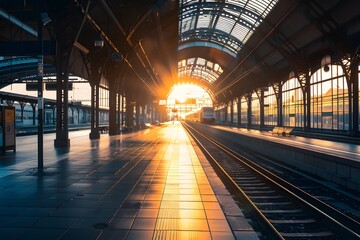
228, 23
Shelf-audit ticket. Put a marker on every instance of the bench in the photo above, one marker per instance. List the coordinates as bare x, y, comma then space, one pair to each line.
277, 131
283, 131
288, 131
104, 129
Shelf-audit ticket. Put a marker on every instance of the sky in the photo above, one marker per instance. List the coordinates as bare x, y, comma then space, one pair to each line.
80, 92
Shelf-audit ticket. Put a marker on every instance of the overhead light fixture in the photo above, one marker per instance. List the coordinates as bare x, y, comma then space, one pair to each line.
99, 43
45, 18
325, 62
326, 68
291, 74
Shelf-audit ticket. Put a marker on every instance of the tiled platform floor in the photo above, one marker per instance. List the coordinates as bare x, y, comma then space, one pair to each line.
145, 185
339, 149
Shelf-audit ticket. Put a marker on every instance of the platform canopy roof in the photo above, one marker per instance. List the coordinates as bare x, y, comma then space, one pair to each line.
230, 47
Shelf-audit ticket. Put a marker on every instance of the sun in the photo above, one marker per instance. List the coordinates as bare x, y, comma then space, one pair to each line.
185, 98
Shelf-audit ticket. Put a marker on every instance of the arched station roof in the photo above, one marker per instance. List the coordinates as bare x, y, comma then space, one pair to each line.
254, 42
225, 25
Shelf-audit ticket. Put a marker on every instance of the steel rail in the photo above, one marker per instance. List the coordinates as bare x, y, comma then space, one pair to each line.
265, 223
340, 222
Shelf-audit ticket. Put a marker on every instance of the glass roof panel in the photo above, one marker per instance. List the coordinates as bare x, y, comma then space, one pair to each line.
188, 23
225, 24
228, 23
203, 21
199, 68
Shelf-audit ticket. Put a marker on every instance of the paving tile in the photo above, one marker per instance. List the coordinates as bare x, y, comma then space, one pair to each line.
140, 234
42, 234
109, 234
122, 187
55, 222
121, 223
248, 235
148, 213
182, 213
144, 223
239, 224
219, 225
224, 236
189, 235
90, 222
214, 214
76, 234
150, 204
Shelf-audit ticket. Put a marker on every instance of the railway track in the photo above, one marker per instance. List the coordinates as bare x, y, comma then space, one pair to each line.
282, 210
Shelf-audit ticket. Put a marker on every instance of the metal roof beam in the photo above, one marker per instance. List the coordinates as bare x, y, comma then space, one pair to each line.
17, 22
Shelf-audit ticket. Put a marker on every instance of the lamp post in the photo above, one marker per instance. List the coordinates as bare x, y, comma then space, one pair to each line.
40, 95
43, 20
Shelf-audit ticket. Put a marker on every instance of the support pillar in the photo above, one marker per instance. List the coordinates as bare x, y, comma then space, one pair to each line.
137, 115
118, 111
354, 79
239, 112
122, 110
53, 114
112, 110
307, 115
72, 115
33, 106
231, 112
129, 121
66, 30
62, 131
152, 119
22, 106
262, 106
280, 106
249, 122
143, 120
94, 132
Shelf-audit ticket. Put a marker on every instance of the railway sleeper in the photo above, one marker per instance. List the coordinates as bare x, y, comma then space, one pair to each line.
324, 234
252, 184
275, 207
292, 221
274, 204
247, 188
260, 192
244, 178
265, 197
283, 211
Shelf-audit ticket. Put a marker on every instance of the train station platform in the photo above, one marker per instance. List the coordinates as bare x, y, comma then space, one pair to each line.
335, 148
151, 184
333, 161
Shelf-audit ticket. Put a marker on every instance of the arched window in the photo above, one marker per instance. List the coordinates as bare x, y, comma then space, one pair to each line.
244, 108
235, 110
228, 111
329, 99
255, 109
222, 114
293, 106
270, 107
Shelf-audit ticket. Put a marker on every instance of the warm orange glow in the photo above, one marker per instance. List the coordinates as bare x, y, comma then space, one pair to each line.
186, 98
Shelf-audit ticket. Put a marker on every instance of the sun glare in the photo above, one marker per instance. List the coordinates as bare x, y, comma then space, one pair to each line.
186, 98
